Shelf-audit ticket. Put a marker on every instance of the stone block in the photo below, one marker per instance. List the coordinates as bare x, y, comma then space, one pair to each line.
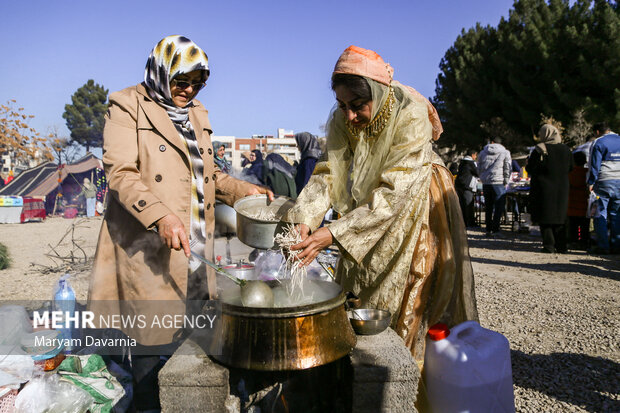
385, 375
190, 381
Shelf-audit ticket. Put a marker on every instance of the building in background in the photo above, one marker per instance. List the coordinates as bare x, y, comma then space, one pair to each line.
283, 133
9, 162
284, 145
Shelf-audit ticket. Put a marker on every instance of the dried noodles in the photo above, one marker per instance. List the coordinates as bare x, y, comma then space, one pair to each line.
287, 238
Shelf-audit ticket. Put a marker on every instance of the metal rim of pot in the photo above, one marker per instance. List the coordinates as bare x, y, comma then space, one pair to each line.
284, 312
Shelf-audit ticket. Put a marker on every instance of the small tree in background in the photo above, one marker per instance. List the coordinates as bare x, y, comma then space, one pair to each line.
579, 130
550, 120
23, 143
85, 114
65, 150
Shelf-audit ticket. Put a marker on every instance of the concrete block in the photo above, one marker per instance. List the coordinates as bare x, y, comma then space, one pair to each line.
193, 399
190, 381
385, 375
390, 397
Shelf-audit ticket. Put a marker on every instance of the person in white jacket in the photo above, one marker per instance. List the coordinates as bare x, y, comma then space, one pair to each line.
494, 167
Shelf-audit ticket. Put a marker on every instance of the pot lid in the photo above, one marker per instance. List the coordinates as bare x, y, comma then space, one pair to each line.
244, 266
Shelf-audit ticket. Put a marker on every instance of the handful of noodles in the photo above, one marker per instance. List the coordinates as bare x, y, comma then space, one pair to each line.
287, 238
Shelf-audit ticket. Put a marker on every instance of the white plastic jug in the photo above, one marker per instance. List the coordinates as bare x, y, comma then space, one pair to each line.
467, 369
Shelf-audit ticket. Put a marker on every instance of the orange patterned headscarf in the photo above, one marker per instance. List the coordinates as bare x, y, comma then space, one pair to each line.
364, 62
367, 63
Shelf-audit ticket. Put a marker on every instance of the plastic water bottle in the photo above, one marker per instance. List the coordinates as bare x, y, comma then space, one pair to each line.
467, 369
64, 301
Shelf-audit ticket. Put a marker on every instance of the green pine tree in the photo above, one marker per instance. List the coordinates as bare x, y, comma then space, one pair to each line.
85, 115
545, 57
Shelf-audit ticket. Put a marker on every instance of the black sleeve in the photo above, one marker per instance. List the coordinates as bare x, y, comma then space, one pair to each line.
473, 169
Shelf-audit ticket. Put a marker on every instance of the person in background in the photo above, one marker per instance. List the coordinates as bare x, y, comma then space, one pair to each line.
466, 183
549, 165
578, 223
219, 157
9, 178
245, 159
604, 181
494, 168
89, 191
310, 152
163, 184
515, 167
454, 169
254, 172
586, 148
279, 176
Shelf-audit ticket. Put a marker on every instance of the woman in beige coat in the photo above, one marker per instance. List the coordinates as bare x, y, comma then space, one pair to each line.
163, 184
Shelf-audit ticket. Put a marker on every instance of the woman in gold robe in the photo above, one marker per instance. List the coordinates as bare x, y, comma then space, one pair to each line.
401, 235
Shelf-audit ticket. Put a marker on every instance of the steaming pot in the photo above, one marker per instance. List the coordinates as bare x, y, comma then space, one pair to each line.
287, 338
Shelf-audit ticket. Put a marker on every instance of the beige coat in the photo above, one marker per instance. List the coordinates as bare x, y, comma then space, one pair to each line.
147, 165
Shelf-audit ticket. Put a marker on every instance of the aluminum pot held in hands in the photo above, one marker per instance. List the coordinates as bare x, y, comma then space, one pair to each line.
257, 232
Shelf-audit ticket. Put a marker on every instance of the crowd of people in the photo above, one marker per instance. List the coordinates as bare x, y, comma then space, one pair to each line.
283, 176
568, 190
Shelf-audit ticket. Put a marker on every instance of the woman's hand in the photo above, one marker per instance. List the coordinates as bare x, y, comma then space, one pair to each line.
257, 190
313, 244
304, 231
172, 233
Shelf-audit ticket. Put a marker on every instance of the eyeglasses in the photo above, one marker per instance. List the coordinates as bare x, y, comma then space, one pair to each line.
184, 84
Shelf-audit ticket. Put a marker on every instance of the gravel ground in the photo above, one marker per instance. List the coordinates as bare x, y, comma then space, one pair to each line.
560, 312
561, 315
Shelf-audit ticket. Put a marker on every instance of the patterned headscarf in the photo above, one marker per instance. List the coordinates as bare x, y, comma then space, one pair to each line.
172, 56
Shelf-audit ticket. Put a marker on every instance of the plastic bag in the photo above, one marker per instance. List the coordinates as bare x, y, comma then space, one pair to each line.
268, 264
14, 324
15, 369
51, 395
473, 184
593, 206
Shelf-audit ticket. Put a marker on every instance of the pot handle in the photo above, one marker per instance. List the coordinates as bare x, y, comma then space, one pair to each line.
352, 301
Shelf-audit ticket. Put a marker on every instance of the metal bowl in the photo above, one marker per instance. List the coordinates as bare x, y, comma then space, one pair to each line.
369, 321
259, 233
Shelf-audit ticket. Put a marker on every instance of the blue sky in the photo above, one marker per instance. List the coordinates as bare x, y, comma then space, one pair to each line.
270, 61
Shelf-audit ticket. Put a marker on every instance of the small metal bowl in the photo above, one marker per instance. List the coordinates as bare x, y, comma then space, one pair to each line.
369, 321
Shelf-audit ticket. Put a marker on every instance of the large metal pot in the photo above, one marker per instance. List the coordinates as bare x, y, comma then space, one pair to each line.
290, 338
259, 233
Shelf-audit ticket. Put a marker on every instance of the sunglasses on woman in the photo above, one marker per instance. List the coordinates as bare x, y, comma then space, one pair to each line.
184, 84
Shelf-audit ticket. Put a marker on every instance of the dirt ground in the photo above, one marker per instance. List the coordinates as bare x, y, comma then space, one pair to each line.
39, 253
35, 248
560, 312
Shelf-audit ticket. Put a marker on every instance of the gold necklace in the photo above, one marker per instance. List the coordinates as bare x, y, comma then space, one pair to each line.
378, 123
